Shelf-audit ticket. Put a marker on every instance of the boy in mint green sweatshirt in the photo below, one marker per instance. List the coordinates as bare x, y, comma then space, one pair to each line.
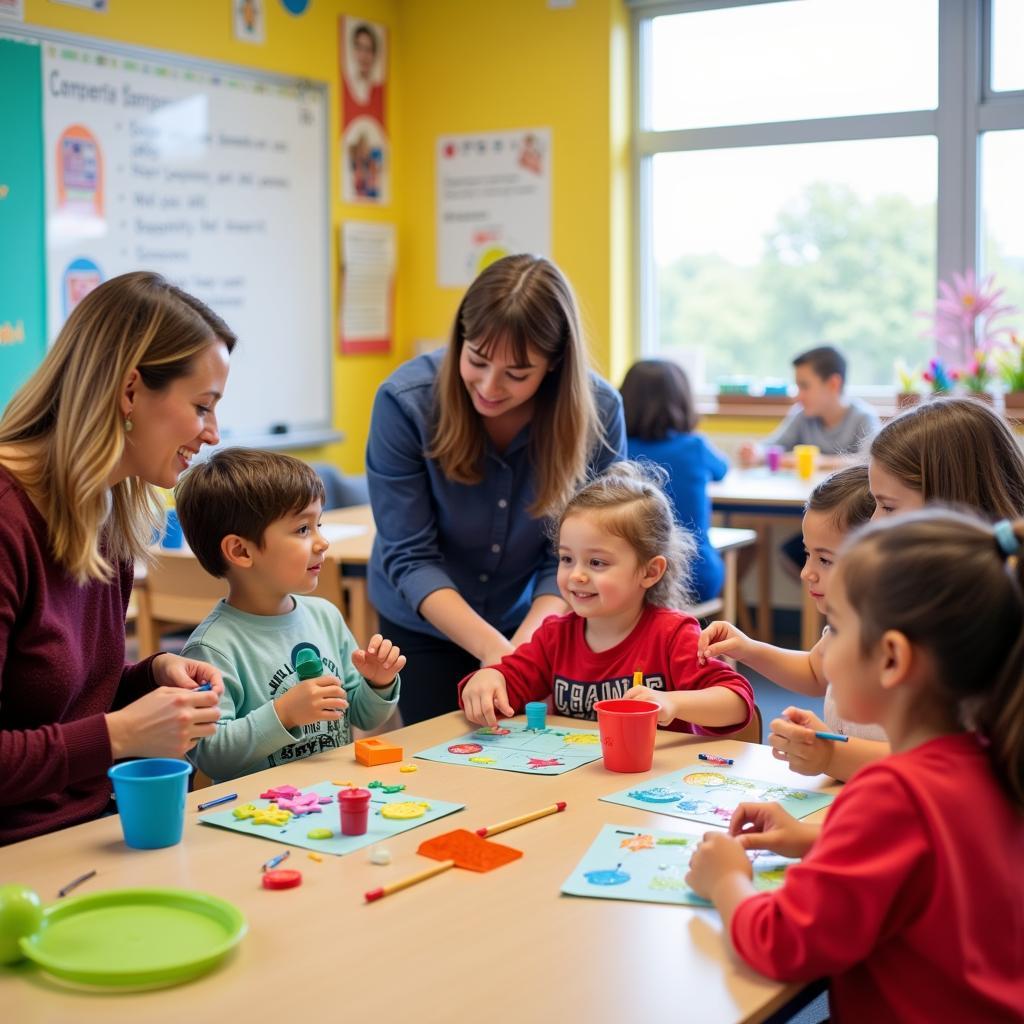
253, 517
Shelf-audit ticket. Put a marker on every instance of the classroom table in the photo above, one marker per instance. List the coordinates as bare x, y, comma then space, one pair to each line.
504, 946
759, 499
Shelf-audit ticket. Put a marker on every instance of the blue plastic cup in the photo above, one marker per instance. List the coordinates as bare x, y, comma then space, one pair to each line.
150, 797
536, 711
173, 537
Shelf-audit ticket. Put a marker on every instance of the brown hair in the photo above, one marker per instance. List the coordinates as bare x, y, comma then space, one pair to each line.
631, 501
846, 495
825, 361
242, 491
956, 450
523, 302
939, 577
69, 409
656, 399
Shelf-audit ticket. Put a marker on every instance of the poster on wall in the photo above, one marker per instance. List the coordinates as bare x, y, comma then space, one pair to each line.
493, 199
249, 23
367, 256
365, 157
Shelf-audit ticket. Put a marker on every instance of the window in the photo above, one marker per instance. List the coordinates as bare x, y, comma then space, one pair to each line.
799, 181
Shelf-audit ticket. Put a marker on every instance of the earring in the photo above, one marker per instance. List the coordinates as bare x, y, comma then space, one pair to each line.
128, 425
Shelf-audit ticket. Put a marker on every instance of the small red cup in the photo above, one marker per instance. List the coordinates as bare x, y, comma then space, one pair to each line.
627, 729
355, 811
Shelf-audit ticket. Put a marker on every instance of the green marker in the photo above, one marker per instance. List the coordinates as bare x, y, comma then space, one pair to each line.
308, 664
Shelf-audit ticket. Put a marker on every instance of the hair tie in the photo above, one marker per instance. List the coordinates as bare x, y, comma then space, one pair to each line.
1007, 540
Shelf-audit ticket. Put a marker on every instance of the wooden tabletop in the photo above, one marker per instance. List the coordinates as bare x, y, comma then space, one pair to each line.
761, 488
503, 946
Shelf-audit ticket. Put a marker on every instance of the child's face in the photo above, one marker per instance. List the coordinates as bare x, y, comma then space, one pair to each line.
816, 395
891, 495
599, 573
496, 384
821, 542
170, 425
853, 674
292, 555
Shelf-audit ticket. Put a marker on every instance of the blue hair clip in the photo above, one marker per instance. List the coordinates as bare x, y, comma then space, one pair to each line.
1007, 540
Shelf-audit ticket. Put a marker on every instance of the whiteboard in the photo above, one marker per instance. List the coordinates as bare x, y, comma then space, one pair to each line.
214, 176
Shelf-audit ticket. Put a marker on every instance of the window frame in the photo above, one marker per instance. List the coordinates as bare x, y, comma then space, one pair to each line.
967, 108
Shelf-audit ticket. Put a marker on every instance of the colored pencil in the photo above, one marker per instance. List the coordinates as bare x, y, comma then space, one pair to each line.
220, 800
404, 883
493, 830
274, 861
832, 736
75, 883
638, 677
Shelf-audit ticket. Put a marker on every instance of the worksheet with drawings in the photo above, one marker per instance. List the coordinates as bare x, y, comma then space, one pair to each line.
215, 177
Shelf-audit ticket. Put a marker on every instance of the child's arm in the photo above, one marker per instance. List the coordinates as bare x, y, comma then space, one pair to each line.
484, 696
794, 670
714, 707
792, 739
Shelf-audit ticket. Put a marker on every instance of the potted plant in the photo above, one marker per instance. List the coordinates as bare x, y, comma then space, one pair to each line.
976, 377
937, 377
909, 381
1011, 370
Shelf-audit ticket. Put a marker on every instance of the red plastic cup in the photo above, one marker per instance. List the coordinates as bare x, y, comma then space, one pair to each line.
355, 811
627, 729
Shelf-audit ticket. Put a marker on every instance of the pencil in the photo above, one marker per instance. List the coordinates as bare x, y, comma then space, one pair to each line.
75, 883
404, 883
220, 800
638, 677
832, 736
493, 830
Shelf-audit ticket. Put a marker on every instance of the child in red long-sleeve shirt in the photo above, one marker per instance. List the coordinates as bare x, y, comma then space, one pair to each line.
622, 568
909, 896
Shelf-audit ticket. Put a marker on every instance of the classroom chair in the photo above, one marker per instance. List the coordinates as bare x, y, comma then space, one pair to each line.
341, 491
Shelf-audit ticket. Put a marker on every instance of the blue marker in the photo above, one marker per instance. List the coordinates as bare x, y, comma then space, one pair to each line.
832, 736
274, 861
204, 687
220, 800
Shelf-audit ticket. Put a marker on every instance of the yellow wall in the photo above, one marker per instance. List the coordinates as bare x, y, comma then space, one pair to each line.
457, 66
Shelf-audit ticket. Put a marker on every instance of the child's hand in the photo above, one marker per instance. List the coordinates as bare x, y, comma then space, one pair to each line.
666, 712
750, 454
380, 662
792, 739
716, 858
721, 639
313, 700
769, 827
485, 694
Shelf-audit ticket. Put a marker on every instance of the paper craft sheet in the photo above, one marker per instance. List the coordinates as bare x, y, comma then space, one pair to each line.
550, 751
710, 793
647, 864
294, 831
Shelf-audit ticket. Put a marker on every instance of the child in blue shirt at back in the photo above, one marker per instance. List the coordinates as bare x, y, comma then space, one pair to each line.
660, 421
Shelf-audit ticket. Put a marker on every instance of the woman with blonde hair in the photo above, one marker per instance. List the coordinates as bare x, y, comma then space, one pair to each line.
121, 403
471, 449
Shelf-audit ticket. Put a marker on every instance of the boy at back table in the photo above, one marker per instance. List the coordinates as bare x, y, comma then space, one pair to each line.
823, 414
253, 518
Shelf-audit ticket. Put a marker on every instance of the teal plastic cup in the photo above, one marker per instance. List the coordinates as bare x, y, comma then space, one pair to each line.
150, 796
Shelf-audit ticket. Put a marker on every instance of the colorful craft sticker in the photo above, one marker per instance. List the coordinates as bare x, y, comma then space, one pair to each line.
319, 833
638, 843
408, 768
493, 730
465, 748
609, 876
482, 760
397, 788
544, 762
403, 811
705, 779
581, 738
656, 795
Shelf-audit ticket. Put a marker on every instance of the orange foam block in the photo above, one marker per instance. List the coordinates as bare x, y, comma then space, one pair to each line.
375, 751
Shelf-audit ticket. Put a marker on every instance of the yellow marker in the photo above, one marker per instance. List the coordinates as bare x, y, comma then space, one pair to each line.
638, 677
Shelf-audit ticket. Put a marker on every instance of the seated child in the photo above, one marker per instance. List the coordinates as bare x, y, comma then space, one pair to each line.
253, 517
836, 506
622, 562
661, 420
909, 895
822, 415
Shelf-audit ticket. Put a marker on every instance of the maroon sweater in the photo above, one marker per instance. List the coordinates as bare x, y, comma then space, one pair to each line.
61, 669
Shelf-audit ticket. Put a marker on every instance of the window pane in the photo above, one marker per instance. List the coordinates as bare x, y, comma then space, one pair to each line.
762, 253
1002, 216
793, 60
1007, 44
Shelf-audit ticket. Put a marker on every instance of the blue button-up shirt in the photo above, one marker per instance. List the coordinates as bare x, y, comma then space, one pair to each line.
433, 533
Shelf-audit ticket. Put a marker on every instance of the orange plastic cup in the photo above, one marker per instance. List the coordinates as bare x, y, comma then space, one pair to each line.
627, 729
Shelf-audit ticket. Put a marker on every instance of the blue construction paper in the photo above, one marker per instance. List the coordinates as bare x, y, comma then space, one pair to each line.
378, 829
572, 748
649, 865
710, 793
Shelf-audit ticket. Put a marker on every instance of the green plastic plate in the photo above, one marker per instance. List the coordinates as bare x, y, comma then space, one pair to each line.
138, 938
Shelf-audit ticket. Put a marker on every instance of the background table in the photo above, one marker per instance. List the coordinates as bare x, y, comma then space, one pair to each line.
503, 946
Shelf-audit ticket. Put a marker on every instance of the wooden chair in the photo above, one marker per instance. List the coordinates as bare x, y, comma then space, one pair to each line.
174, 593
751, 732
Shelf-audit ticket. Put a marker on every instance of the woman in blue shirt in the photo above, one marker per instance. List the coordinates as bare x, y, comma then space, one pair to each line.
660, 419
471, 449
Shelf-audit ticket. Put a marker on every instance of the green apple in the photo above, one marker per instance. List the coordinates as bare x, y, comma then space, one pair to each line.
21, 913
